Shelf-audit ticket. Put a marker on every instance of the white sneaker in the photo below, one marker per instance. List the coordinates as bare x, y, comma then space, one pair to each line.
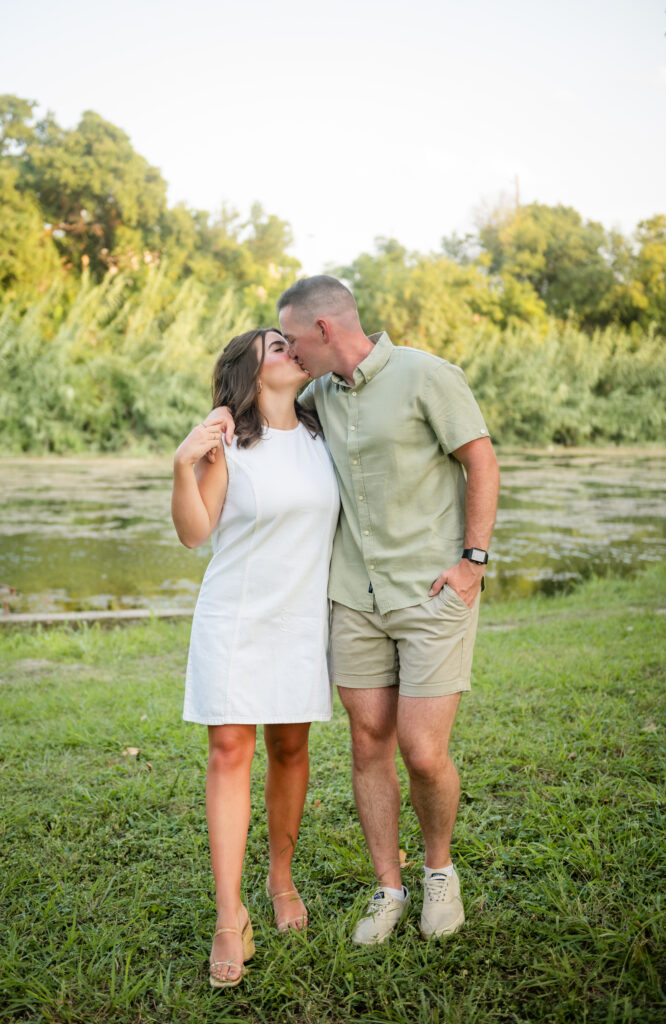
384, 914
443, 912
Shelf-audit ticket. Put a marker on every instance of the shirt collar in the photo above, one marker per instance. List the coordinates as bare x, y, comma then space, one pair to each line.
375, 361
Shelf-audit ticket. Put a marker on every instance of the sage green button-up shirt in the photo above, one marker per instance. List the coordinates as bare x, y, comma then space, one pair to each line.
390, 433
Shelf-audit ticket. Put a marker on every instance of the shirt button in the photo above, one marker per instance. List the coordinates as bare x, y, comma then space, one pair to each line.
354, 462
353, 394
352, 427
372, 566
366, 533
360, 497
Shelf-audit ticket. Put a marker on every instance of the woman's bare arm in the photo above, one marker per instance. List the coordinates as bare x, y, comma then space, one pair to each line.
199, 486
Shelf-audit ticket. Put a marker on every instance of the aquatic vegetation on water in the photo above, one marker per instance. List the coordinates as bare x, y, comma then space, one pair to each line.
96, 533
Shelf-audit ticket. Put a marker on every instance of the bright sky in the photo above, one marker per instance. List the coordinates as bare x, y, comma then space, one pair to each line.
362, 118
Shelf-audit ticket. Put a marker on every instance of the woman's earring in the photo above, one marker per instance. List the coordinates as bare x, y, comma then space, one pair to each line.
259, 387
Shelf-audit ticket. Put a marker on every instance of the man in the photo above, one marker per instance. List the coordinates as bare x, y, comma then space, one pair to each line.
419, 483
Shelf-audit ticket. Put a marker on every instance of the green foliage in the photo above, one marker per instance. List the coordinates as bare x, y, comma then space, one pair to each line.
576, 267
109, 298
554, 251
97, 194
568, 387
650, 275
118, 366
538, 379
229, 252
28, 257
427, 301
15, 130
112, 305
103, 206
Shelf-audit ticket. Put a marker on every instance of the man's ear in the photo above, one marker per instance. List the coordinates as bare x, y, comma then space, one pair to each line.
323, 326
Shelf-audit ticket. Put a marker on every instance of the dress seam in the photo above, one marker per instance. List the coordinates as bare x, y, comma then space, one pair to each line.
234, 643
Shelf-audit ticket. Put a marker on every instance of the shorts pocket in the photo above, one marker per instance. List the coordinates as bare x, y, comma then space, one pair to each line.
452, 598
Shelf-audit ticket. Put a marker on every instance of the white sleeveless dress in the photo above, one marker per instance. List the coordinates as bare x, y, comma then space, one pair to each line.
260, 628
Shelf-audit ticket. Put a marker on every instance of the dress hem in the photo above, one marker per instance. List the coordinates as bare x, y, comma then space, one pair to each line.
317, 717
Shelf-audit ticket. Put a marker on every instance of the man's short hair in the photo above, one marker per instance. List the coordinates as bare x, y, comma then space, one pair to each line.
316, 295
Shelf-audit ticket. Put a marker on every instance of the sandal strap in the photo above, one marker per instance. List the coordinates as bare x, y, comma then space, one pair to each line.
293, 895
225, 963
284, 925
219, 931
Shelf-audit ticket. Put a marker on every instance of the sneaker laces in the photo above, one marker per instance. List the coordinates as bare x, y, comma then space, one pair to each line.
379, 904
436, 888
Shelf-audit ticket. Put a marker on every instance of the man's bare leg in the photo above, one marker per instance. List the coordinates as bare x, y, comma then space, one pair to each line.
424, 729
372, 719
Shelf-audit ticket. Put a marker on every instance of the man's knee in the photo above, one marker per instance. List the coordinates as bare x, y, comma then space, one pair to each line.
424, 728
372, 723
371, 744
425, 762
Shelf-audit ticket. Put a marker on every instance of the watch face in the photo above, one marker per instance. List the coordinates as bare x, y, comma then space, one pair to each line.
477, 555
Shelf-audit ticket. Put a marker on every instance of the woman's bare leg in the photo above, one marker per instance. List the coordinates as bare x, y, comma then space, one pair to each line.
230, 752
286, 786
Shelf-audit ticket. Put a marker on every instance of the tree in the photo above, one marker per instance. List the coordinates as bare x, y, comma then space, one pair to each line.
462, 251
15, 130
649, 271
429, 301
28, 257
103, 201
378, 282
229, 252
562, 257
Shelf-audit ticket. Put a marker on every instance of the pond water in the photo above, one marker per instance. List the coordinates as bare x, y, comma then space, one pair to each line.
95, 533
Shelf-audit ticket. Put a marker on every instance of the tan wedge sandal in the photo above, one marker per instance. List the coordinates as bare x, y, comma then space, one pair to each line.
294, 895
248, 952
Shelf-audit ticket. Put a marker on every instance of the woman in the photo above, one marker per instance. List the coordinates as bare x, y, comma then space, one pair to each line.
259, 634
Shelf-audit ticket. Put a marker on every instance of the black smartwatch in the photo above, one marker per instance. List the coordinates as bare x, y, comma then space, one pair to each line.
476, 555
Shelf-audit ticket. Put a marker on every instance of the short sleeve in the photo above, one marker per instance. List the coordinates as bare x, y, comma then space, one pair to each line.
451, 409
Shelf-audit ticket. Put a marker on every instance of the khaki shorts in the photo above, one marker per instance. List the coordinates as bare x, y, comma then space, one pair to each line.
426, 649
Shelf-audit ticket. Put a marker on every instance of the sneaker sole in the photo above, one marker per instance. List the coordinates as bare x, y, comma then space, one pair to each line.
373, 942
450, 930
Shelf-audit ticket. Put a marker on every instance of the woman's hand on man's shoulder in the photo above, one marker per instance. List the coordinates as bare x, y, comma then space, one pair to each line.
201, 440
222, 421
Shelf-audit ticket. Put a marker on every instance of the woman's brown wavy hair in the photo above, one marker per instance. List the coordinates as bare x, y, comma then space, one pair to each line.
235, 379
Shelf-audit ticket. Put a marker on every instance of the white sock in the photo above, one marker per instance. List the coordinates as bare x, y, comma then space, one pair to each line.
449, 870
397, 894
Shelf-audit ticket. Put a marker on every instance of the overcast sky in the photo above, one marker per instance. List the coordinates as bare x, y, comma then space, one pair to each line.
365, 117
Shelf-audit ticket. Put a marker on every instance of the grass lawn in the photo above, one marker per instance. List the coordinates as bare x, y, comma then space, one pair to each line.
106, 909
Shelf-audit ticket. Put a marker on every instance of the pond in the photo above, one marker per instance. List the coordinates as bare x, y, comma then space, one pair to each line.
93, 533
